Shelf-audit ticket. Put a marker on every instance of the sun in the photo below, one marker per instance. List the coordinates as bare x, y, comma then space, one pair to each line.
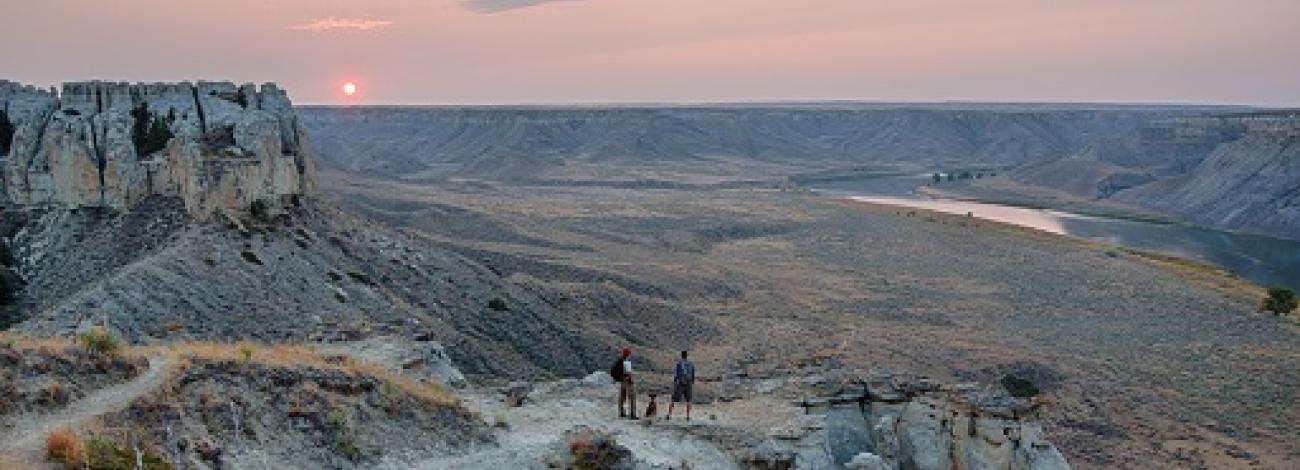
349, 88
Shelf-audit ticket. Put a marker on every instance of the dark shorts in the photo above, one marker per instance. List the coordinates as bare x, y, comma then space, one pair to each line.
681, 392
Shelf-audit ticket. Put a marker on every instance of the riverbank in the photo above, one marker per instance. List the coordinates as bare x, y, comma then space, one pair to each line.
1263, 260
1004, 191
1202, 273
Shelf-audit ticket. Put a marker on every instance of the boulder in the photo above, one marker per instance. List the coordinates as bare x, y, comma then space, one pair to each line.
866, 461
598, 378
846, 434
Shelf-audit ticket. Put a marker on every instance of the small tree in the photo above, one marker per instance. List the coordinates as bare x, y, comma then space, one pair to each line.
10, 314
1018, 387
6, 133
149, 133
1279, 301
6, 254
260, 210
7, 289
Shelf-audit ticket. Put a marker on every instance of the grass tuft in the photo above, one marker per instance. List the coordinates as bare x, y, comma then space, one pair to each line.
63, 446
100, 341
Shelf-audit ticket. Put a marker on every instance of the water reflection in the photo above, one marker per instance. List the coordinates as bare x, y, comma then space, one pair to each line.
1264, 260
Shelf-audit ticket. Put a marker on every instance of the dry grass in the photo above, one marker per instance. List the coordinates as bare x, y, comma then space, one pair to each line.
295, 357
275, 355
48, 345
1204, 274
65, 447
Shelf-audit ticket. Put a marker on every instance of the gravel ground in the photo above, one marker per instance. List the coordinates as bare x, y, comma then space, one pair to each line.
534, 430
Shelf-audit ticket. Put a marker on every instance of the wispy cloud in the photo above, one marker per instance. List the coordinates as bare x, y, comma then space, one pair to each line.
494, 6
334, 23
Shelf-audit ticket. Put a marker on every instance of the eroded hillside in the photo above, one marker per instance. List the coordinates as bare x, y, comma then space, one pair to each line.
1240, 172
702, 143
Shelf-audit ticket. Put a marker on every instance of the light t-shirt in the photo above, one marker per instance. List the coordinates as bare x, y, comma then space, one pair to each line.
627, 366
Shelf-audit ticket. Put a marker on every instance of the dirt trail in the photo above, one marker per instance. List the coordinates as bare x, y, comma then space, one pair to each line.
535, 429
25, 443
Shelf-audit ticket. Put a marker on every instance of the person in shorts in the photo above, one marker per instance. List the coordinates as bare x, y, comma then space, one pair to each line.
683, 381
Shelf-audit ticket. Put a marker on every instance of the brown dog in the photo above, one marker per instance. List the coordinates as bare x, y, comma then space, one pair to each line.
652, 409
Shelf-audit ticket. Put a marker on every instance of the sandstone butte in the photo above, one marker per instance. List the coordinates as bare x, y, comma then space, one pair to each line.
228, 147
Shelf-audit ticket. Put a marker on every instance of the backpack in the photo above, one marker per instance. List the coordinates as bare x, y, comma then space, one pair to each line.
616, 370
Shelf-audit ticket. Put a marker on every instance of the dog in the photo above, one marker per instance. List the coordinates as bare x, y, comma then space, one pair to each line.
652, 409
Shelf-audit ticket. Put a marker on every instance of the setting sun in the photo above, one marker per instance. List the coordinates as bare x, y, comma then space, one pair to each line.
349, 88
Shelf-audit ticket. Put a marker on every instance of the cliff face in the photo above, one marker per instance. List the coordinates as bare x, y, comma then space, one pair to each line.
217, 146
1238, 172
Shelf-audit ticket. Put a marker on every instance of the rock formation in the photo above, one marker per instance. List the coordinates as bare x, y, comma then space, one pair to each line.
887, 421
217, 146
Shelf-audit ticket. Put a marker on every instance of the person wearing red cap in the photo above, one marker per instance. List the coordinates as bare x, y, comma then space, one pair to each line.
621, 371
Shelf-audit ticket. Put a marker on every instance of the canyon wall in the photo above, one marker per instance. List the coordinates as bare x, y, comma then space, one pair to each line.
744, 141
1238, 171
215, 145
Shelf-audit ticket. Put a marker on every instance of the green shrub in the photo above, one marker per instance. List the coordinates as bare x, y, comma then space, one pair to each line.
349, 447
6, 255
7, 290
149, 132
9, 316
100, 341
102, 454
245, 354
1279, 301
260, 210
1018, 387
339, 420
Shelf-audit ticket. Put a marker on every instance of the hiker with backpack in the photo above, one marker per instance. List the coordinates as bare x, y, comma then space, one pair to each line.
621, 371
683, 382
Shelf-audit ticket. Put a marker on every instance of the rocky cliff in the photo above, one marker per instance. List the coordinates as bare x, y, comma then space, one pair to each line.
215, 145
1239, 172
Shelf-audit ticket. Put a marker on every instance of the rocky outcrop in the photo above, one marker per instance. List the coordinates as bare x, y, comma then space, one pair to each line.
888, 421
217, 146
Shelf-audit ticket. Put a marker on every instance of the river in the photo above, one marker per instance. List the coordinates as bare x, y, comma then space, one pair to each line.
1266, 261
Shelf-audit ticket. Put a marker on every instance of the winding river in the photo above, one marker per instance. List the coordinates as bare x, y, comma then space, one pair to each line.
1269, 262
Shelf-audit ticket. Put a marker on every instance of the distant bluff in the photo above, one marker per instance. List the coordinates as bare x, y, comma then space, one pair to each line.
218, 146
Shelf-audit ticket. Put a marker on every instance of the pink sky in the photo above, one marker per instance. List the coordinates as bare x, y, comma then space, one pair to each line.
599, 51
